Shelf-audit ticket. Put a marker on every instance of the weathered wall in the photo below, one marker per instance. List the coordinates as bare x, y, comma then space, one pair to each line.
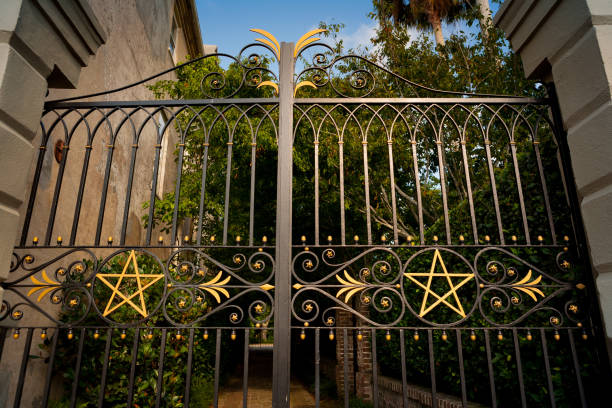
136, 46
569, 43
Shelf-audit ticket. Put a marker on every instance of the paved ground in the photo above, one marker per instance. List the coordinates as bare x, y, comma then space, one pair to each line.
260, 387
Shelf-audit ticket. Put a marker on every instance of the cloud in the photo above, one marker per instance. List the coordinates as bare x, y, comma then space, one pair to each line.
360, 38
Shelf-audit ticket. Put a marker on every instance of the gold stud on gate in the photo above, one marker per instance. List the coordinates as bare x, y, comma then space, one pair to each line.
444, 336
150, 335
356, 239
205, 336
110, 240
331, 335
416, 336
43, 334
473, 336
500, 336
529, 336
359, 336
123, 335
35, 241
302, 334
96, 335
388, 335
16, 334
233, 335
59, 240
160, 240
70, 334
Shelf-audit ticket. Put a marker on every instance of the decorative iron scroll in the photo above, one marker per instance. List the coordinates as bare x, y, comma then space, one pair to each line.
435, 286
134, 287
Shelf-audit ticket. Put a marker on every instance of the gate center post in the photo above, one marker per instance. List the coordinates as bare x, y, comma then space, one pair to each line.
282, 296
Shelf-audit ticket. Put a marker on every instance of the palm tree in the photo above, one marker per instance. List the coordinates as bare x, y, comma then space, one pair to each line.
424, 14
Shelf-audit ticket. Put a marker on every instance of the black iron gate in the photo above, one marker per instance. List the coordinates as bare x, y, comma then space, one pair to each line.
432, 240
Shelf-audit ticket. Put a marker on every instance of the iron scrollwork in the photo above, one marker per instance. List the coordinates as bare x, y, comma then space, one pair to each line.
131, 286
432, 286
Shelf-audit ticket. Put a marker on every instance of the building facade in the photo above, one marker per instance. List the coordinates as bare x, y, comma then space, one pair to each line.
118, 43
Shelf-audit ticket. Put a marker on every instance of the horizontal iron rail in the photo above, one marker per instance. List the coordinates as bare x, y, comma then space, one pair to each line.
429, 101
298, 101
255, 247
161, 102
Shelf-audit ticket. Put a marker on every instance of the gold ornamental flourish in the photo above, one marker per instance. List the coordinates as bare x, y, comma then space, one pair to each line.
351, 286
214, 287
270, 41
528, 287
45, 287
458, 307
142, 309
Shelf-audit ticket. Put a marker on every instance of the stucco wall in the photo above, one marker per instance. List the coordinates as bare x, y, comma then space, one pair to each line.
136, 46
569, 43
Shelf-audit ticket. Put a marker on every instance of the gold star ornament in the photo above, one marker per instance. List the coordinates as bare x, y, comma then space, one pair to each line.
143, 282
453, 303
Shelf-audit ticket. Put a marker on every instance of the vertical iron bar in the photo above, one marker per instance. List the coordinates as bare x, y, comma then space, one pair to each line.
403, 365
47, 389
202, 192
282, 310
217, 367
107, 347
342, 215
107, 171
177, 189
316, 190
490, 366
317, 367
154, 189
374, 370
79, 199
228, 176
189, 368
34, 189
519, 188
133, 366
56, 193
128, 194
519, 367
417, 182
443, 190
576, 368
432, 369
345, 360
252, 195
22, 369
3, 333
461, 369
551, 392
366, 175
160, 368
393, 195
245, 374
551, 223
468, 182
77, 370
487, 144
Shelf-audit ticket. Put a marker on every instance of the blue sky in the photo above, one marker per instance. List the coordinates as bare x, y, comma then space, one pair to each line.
226, 23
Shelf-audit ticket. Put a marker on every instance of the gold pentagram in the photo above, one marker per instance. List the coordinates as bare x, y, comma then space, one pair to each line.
452, 287
142, 309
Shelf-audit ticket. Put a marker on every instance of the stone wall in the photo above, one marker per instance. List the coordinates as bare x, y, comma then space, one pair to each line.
569, 44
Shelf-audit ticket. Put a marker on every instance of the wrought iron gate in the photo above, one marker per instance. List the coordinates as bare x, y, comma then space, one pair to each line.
434, 238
